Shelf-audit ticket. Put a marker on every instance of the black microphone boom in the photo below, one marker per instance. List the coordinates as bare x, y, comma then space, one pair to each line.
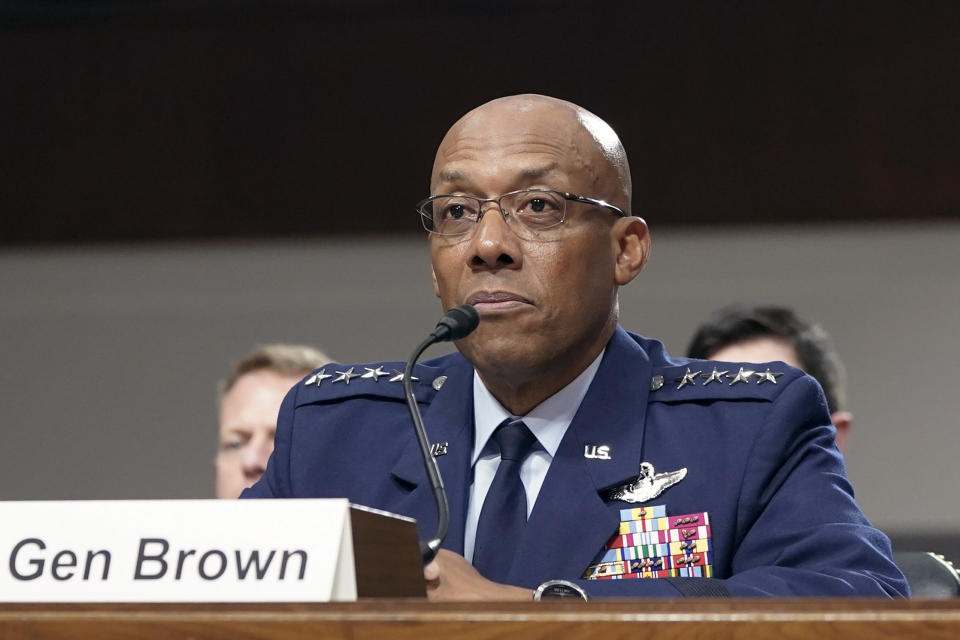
456, 323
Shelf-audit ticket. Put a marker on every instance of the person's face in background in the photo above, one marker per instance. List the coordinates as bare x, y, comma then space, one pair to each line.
248, 419
768, 349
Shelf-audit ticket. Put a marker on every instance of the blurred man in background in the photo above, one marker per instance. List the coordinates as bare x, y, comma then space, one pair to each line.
740, 333
249, 399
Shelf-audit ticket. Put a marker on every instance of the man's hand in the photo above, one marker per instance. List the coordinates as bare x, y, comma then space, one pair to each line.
451, 577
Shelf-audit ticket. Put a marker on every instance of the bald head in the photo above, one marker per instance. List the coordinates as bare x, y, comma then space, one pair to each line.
547, 296
519, 127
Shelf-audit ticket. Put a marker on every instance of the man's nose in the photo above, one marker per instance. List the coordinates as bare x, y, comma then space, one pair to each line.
256, 454
494, 244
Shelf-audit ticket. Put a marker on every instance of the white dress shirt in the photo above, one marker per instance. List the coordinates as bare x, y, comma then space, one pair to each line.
548, 421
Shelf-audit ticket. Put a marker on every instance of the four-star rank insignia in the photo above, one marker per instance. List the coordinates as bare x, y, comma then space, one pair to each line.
370, 373
743, 375
687, 379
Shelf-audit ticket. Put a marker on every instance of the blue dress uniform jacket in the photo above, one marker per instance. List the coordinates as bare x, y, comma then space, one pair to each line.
760, 460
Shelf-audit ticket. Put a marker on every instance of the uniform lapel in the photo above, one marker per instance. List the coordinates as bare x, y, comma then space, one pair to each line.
448, 419
570, 522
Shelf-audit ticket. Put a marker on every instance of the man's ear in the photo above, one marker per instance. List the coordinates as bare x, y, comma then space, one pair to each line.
843, 421
632, 245
436, 287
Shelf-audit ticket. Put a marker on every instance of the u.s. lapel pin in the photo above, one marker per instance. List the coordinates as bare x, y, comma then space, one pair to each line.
648, 484
597, 452
439, 449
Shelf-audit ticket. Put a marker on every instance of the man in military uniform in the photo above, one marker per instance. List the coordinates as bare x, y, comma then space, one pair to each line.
579, 459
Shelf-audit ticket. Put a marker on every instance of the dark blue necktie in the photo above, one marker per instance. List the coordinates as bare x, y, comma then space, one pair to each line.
504, 513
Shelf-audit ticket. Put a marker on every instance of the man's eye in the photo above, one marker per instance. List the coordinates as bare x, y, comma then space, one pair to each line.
455, 212
456, 209
539, 203
232, 445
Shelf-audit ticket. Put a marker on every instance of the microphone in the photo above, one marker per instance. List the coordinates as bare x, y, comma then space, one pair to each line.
456, 323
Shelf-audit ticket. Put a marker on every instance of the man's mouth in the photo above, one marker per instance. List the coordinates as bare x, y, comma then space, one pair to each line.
489, 301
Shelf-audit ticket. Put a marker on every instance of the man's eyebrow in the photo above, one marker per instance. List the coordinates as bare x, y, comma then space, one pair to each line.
447, 175
455, 175
538, 172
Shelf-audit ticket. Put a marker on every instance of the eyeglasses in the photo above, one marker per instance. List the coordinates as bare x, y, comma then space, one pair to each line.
534, 209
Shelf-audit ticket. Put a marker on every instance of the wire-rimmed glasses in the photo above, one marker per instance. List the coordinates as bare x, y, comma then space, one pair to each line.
534, 209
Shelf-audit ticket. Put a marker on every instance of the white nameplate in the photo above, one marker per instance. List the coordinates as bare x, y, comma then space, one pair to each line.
176, 551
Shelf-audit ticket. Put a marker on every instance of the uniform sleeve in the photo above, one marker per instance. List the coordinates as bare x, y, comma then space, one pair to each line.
799, 531
275, 481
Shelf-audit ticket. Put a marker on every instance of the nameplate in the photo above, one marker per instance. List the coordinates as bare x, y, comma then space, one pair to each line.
176, 551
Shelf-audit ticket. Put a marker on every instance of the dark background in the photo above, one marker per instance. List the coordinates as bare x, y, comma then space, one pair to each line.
239, 119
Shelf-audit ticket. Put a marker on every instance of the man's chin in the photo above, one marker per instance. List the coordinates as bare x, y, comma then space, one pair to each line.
504, 353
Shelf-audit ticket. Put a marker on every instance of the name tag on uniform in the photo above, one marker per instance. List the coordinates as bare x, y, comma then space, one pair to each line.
176, 551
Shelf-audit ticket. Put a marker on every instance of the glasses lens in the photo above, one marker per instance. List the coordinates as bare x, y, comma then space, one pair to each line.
450, 215
536, 209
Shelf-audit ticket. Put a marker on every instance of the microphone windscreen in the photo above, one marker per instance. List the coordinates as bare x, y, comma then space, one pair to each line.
459, 321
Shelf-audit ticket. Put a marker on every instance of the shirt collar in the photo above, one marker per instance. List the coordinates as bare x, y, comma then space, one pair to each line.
548, 421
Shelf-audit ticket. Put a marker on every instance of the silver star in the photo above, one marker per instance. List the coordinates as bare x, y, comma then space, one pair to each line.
317, 378
374, 374
345, 376
767, 376
687, 378
742, 376
715, 376
399, 377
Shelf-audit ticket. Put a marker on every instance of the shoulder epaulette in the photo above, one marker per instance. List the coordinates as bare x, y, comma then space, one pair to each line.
705, 380
336, 381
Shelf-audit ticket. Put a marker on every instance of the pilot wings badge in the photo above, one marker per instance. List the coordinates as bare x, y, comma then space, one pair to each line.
648, 484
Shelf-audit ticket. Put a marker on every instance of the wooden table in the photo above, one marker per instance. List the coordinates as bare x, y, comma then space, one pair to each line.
401, 619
